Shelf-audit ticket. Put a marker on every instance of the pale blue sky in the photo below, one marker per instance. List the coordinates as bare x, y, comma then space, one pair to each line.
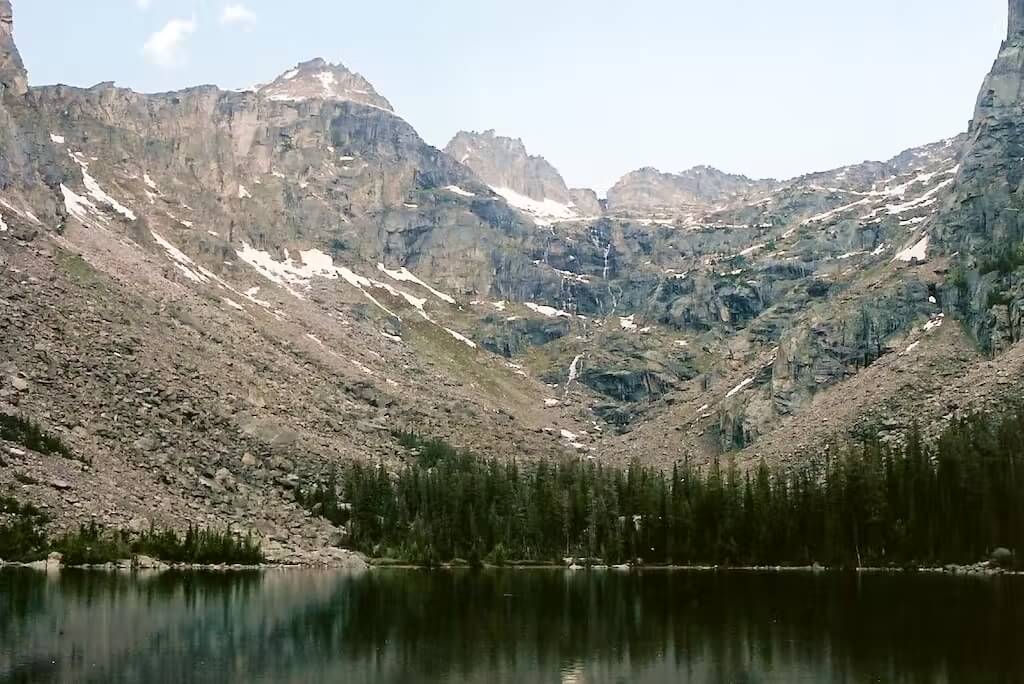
599, 87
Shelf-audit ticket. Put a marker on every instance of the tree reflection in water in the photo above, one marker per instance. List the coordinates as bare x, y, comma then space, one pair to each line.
508, 626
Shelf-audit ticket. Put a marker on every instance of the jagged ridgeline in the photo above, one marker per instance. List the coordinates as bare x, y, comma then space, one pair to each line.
210, 298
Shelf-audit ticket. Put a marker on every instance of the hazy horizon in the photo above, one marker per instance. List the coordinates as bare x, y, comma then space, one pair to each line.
766, 91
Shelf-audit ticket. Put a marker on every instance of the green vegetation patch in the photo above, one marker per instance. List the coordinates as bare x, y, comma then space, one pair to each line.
22, 536
31, 435
23, 539
93, 544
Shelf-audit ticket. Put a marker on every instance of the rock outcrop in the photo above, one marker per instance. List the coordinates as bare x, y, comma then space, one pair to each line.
12, 70
586, 202
504, 163
651, 190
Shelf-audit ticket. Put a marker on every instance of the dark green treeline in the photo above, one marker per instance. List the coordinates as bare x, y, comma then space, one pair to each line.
871, 505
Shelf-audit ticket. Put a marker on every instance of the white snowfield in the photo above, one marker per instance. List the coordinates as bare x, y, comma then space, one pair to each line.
916, 252
895, 192
295, 276
93, 189
543, 212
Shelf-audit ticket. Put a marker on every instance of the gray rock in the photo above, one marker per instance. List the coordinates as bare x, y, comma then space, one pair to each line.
147, 443
1002, 557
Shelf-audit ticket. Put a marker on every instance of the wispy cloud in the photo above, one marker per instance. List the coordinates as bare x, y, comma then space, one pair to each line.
144, 4
166, 47
237, 14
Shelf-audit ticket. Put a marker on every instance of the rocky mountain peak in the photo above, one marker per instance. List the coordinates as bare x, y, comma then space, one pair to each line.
318, 79
12, 70
504, 164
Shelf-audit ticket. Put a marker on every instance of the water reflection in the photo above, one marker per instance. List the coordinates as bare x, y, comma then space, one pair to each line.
509, 626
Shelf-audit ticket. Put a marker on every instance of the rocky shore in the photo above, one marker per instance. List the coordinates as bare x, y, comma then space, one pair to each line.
337, 559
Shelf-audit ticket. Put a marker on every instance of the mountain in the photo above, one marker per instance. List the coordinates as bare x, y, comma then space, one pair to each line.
215, 299
648, 189
318, 80
527, 182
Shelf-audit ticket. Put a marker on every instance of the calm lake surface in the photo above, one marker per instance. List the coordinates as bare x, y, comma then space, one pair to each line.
509, 626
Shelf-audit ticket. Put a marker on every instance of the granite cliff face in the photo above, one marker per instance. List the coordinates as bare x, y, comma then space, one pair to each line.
981, 223
215, 297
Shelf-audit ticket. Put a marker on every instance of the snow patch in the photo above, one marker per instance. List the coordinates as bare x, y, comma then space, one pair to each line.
181, 260
92, 187
461, 338
403, 275
232, 303
628, 322
544, 212
78, 206
917, 252
549, 311
740, 387
456, 190
243, 193
314, 263
58, 139
829, 214
934, 323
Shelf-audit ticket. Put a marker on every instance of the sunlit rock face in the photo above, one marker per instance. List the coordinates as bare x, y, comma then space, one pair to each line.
12, 70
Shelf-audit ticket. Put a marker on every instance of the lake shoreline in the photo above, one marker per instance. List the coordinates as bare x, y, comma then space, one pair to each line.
357, 562
979, 569
351, 562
